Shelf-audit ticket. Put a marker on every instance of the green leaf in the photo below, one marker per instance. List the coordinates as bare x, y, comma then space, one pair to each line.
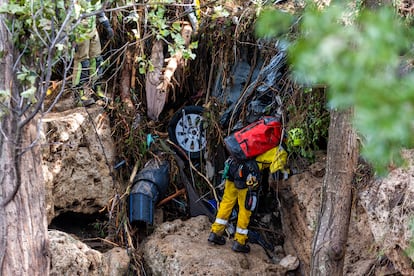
151, 67
219, 12
29, 93
45, 24
171, 50
4, 8
176, 26
31, 78
13, 8
272, 22
60, 47
22, 76
193, 45
187, 54
142, 68
178, 39
164, 33
4, 94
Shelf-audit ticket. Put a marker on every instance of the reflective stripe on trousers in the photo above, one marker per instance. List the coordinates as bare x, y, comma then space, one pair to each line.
230, 197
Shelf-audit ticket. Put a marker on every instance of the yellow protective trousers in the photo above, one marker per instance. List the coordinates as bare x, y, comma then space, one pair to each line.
230, 197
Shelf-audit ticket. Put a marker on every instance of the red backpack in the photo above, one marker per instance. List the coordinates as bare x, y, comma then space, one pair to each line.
254, 139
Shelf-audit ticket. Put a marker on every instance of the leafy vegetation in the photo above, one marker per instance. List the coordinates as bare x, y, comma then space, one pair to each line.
358, 54
306, 107
365, 59
162, 29
39, 31
308, 120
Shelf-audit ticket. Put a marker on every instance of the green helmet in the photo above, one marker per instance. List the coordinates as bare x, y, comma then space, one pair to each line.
295, 137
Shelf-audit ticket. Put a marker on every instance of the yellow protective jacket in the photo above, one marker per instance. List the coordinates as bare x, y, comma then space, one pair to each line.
275, 159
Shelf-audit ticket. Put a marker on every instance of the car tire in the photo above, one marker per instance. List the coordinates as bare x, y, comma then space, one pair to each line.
187, 131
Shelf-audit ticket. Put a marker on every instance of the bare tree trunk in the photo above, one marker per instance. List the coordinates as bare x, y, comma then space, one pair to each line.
125, 81
23, 225
329, 244
155, 98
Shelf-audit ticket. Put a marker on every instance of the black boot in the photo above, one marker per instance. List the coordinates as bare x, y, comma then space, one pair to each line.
84, 76
82, 97
99, 67
216, 239
97, 85
243, 248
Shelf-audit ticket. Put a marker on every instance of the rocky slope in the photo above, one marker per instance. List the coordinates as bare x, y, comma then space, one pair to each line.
79, 180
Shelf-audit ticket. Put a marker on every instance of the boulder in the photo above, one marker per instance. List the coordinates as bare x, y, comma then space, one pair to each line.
77, 160
300, 202
389, 203
118, 261
181, 248
69, 256
290, 262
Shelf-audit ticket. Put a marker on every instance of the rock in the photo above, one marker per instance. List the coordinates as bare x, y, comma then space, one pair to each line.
78, 157
300, 200
78, 154
181, 248
118, 261
389, 203
290, 262
69, 256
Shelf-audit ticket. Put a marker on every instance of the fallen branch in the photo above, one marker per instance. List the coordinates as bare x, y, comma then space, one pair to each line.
175, 60
101, 239
155, 97
174, 195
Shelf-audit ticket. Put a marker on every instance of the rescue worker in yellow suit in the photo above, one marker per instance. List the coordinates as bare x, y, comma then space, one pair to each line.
243, 178
87, 64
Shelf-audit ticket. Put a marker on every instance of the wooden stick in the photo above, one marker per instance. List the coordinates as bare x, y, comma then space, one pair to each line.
176, 194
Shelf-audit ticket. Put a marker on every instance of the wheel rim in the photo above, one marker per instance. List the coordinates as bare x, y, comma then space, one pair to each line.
189, 133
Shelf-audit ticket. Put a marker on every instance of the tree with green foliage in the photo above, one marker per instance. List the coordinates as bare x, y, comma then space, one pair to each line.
35, 36
358, 54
